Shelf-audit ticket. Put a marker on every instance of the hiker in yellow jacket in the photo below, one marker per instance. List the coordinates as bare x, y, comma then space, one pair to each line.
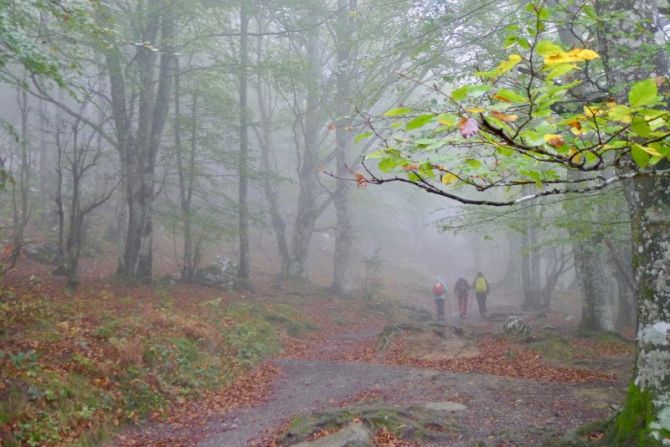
481, 287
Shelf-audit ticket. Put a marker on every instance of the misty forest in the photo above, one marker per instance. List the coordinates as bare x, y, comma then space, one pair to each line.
330, 223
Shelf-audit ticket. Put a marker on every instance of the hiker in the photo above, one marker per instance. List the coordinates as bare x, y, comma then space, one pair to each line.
461, 288
481, 286
440, 294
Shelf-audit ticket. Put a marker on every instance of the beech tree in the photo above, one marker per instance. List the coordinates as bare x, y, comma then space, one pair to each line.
520, 124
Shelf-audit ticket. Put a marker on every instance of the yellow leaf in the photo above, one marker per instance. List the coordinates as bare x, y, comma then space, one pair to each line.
576, 157
591, 111
504, 117
650, 150
575, 55
501, 98
508, 64
448, 178
554, 139
576, 125
584, 54
476, 110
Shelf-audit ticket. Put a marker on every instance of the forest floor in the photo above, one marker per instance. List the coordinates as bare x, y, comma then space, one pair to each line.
188, 365
486, 388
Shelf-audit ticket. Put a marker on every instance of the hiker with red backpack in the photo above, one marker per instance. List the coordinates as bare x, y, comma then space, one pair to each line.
440, 294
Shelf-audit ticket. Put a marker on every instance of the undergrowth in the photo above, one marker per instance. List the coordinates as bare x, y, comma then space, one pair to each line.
75, 369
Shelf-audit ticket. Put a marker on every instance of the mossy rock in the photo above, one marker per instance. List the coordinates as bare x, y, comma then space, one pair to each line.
408, 423
354, 435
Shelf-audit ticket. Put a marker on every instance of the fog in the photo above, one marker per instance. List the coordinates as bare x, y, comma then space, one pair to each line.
258, 177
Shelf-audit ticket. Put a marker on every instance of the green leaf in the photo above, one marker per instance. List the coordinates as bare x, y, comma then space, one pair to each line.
559, 70
426, 170
469, 91
545, 127
473, 163
447, 119
376, 154
619, 113
510, 96
425, 142
389, 164
533, 175
419, 121
532, 138
510, 41
362, 136
505, 151
643, 93
460, 93
641, 127
523, 43
399, 111
544, 14
475, 91
640, 156
660, 148
547, 47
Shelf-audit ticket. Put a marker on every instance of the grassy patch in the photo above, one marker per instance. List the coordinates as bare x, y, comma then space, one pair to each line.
76, 367
256, 329
558, 349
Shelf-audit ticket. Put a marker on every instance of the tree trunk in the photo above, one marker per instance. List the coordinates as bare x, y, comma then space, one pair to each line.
21, 209
526, 260
185, 175
139, 150
513, 270
342, 268
625, 303
649, 202
308, 209
645, 417
621, 266
590, 271
270, 186
530, 262
243, 191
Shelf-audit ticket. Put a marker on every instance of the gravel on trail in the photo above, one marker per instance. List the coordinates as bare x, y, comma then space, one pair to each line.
306, 386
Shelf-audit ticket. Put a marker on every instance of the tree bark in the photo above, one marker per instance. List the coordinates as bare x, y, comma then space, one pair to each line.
270, 186
21, 209
344, 238
530, 261
645, 416
185, 175
308, 207
138, 148
243, 191
590, 271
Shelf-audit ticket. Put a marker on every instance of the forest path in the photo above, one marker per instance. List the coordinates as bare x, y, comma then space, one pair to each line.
332, 373
501, 411
304, 387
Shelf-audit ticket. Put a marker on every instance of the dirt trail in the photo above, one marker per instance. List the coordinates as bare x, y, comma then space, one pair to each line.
500, 410
304, 387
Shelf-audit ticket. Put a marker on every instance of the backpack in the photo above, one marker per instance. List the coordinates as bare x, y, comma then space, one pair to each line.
461, 286
438, 289
480, 285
